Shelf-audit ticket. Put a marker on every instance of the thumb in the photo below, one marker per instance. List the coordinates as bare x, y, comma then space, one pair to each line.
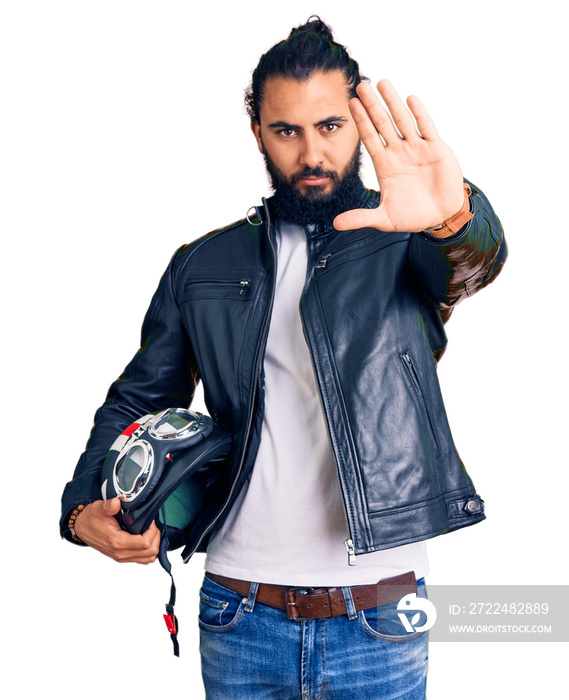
357, 218
112, 506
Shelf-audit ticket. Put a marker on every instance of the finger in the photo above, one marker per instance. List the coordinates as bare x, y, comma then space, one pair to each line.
377, 113
151, 538
112, 506
148, 542
134, 558
425, 124
400, 114
361, 218
367, 131
142, 549
144, 556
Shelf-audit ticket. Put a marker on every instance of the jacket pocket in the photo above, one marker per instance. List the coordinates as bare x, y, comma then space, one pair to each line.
413, 376
218, 289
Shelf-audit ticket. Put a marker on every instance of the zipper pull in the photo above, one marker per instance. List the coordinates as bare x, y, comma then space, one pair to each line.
351, 552
243, 284
322, 262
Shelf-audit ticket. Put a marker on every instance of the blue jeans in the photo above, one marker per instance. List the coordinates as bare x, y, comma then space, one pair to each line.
251, 651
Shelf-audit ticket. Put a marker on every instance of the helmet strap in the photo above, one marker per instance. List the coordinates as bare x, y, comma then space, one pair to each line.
170, 618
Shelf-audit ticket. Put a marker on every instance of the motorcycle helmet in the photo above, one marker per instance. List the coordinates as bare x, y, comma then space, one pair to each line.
162, 467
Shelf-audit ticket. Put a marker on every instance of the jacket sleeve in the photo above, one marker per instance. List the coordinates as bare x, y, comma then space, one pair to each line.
161, 374
451, 269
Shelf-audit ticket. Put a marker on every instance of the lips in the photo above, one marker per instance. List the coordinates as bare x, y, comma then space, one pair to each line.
314, 181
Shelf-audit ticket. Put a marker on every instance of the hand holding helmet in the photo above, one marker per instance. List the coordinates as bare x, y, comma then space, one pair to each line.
98, 527
155, 463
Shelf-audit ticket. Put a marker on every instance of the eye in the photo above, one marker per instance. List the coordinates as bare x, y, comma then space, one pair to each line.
287, 133
330, 128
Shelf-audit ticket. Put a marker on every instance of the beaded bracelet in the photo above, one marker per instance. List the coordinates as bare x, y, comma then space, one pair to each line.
71, 523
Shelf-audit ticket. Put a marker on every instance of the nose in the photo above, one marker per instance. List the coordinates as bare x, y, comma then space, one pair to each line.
310, 154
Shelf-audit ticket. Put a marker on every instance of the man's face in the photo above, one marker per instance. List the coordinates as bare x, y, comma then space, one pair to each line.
307, 134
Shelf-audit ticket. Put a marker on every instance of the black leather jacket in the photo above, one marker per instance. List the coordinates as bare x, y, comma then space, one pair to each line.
373, 309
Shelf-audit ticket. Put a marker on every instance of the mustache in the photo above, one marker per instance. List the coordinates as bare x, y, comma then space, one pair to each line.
314, 172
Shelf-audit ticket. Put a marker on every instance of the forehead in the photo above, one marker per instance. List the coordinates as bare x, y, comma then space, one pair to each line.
294, 101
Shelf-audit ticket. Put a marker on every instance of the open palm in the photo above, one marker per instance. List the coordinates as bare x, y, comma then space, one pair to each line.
419, 177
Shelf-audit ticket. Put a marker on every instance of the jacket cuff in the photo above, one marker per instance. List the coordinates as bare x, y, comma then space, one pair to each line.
452, 269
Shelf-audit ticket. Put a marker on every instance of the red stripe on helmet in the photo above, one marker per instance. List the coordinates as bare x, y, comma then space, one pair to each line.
130, 430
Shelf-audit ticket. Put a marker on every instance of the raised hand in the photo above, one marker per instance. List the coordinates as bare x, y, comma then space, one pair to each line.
419, 177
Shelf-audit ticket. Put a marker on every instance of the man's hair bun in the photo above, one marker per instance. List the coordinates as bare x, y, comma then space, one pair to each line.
316, 25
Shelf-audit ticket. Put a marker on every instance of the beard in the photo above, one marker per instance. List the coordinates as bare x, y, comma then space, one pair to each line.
316, 206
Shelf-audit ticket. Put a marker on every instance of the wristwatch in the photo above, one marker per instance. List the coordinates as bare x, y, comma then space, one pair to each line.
456, 222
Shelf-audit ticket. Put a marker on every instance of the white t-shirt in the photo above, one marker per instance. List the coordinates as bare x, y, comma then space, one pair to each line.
288, 525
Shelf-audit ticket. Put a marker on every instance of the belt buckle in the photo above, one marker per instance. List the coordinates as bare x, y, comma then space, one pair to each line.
290, 600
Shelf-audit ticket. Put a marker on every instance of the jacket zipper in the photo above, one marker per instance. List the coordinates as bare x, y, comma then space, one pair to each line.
253, 395
414, 377
348, 543
325, 259
243, 284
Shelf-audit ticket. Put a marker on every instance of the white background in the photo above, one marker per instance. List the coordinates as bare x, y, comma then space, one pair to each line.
122, 136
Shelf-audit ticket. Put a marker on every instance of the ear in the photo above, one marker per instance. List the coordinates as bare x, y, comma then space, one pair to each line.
256, 129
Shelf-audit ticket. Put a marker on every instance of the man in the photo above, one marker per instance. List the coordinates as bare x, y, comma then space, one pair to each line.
315, 325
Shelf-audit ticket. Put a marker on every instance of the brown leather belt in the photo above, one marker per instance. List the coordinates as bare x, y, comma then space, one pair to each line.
304, 603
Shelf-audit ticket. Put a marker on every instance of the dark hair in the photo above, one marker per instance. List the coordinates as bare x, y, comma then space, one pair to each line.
309, 48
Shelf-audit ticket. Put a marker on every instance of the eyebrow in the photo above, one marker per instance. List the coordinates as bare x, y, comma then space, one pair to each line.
286, 125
